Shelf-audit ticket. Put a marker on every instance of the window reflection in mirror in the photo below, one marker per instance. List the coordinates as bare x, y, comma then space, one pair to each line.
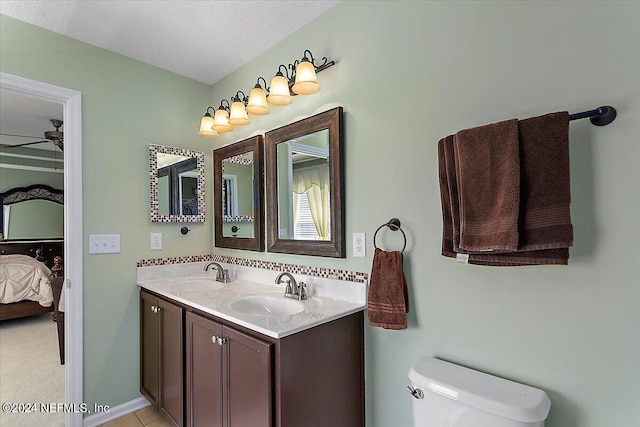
237, 196
177, 184
303, 188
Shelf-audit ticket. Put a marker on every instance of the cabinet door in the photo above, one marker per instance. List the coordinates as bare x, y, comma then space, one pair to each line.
204, 372
171, 361
248, 380
149, 348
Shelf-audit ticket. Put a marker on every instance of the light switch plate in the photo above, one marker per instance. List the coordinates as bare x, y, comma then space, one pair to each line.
104, 243
359, 245
156, 241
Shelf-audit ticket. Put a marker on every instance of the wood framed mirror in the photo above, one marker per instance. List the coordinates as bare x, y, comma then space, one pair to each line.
238, 195
176, 177
305, 188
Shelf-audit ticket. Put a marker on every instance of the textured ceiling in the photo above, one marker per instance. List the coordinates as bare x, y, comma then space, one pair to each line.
204, 40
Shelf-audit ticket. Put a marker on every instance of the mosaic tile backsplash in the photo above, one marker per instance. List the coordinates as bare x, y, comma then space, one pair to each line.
329, 273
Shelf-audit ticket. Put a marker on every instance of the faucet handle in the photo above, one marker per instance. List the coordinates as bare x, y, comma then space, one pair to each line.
225, 275
288, 290
302, 291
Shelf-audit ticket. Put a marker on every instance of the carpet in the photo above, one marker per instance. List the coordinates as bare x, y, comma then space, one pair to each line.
30, 373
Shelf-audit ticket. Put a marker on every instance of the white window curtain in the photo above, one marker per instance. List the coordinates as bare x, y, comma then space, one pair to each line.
314, 181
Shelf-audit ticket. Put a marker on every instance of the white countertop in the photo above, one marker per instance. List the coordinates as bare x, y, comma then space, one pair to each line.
218, 300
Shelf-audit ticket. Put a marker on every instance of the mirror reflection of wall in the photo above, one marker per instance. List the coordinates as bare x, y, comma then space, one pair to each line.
304, 188
237, 196
177, 184
177, 180
32, 212
34, 219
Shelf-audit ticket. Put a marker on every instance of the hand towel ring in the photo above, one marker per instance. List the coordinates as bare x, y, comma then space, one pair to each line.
394, 225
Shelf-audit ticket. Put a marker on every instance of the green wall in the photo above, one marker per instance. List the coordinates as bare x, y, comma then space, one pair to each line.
126, 105
407, 74
410, 73
11, 177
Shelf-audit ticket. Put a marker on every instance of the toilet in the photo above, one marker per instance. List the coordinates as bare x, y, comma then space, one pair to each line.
449, 395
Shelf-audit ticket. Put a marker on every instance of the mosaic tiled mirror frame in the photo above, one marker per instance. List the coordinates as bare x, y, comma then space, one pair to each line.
153, 184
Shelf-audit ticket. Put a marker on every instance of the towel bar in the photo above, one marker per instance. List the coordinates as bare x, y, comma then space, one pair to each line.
601, 116
394, 225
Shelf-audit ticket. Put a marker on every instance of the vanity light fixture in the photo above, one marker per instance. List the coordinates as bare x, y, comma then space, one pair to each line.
258, 99
302, 81
306, 81
221, 118
279, 93
238, 115
206, 126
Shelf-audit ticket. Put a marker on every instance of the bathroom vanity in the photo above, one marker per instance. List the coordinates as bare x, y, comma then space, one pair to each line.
240, 354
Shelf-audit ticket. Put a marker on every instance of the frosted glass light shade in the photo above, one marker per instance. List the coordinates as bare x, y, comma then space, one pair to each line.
306, 80
221, 121
279, 91
206, 130
257, 102
238, 116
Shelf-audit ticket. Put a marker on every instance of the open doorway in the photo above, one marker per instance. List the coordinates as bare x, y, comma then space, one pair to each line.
73, 237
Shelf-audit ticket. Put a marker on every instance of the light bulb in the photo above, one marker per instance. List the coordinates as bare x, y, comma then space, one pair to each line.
279, 91
257, 101
206, 130
306, 80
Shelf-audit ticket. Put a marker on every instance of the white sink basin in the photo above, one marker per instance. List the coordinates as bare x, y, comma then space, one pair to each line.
267, 306
196, 284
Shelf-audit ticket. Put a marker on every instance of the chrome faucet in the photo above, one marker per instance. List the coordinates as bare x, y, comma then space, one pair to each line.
293, 289
222, 275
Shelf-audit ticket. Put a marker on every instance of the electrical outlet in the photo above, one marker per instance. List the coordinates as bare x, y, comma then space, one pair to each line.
156, 241
359, 245
104, 244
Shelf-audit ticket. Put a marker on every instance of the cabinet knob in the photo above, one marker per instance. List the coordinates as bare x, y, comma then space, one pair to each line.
155, 309
218, 340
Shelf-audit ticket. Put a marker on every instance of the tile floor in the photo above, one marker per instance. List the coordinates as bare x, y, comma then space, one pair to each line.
146, 417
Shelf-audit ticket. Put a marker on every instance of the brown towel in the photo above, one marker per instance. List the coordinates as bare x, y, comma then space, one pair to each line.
545, 193
487, 169
448, 233
543, 142
388, 300
448, 199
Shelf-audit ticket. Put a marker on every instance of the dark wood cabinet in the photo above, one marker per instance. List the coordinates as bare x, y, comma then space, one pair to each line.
204, 372
161, 355
236, 377
229, 376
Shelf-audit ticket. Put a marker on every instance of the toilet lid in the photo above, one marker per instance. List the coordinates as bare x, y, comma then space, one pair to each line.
496, 395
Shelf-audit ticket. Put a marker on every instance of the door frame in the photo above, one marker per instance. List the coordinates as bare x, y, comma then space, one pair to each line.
73, 240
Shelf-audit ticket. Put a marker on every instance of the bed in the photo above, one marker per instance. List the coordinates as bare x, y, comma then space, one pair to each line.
25, 286
38, 254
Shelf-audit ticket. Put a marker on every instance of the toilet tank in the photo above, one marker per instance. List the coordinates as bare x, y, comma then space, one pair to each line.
449, 395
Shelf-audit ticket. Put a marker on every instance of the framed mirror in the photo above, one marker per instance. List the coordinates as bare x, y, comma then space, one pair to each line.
305, 189
33, 212
238, 195
176, 177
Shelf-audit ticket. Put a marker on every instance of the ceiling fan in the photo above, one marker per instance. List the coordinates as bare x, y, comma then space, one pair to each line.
53, 136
